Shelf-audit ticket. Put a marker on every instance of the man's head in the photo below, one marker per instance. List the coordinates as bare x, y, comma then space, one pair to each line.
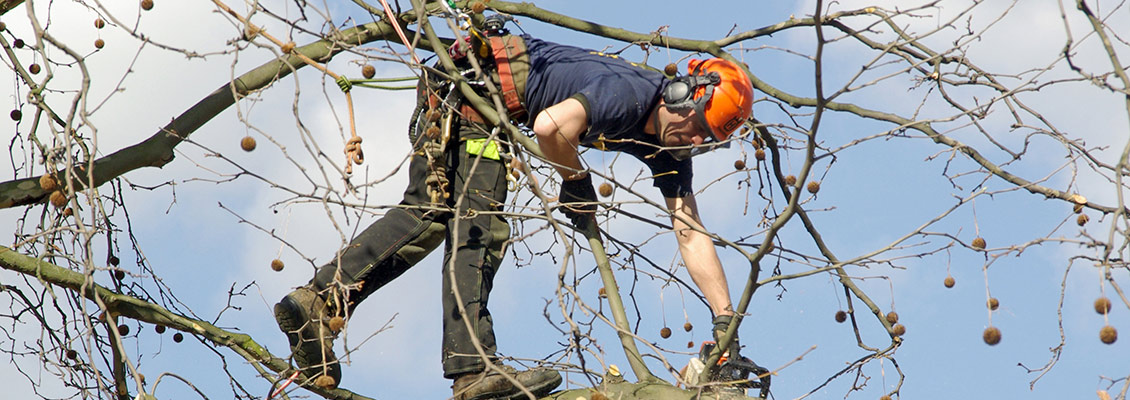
706, 105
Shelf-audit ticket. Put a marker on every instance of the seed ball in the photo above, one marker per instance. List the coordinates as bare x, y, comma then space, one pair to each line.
978, 243
665, 332
601, 293
58, 199
739, 164
325, 382
433, 115
141, 377
178, 337
123, 329
1082, 219
368, 71
949, 282
99, 43
277, 265
605, 189
159, 328
99, 23
1102, 305
71, 354
113, 260
48, 182
478, 7
841, 316
1078, 208
884, 397
690, 344
146, 5
994, 303
893, 317
671, 69
18, 43
336, 323
34, 69
287, 47
992, 336
433, 131
813, 187
1108, 334
790, 180
899, 329
687, 327
119, 274
247, 143
16, 115
68, 212
759, 154
3, 26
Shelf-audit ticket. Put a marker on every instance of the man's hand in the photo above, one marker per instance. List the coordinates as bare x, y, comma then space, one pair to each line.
578, 200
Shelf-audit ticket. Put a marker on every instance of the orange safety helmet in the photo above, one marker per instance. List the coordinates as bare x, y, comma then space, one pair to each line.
732, 101
718, 90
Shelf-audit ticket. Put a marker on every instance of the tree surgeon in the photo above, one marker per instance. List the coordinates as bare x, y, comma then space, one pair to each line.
569, 96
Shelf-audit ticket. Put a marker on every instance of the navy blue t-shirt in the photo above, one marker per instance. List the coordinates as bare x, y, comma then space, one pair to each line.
618, 96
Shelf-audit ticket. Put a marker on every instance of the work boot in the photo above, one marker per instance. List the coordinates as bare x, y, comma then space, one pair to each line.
490, 384
304, 316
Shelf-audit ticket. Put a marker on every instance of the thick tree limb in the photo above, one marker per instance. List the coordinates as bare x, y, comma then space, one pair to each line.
157, 150
141, 310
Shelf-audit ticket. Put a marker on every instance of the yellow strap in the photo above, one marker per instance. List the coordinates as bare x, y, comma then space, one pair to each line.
484, 148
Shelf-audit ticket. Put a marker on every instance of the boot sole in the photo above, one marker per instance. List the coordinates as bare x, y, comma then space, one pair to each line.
538, 390
292, 321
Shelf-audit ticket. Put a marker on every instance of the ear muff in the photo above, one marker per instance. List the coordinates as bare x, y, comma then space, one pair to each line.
677, 93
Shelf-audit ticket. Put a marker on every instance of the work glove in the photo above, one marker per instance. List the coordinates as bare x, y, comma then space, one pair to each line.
578, 200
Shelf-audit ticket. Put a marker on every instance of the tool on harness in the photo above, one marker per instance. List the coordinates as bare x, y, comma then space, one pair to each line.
734, 372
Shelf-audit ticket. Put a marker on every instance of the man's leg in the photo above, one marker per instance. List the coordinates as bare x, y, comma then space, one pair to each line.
379, 254
474, 253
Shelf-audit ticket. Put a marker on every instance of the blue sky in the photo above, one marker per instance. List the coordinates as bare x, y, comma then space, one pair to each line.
871, 195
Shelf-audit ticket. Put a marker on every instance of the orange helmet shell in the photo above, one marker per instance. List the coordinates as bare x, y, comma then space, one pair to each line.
732, 101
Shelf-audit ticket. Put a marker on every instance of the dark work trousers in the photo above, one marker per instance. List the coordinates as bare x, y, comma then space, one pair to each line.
405, 235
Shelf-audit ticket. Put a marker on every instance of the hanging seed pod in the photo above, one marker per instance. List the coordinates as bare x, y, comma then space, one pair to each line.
605, 189
99, 43
991, 336
893, 317
739, 164
277, 265
1108, 334
671, 69
949, 282
325, 382
841, 316
99, 23
1102, 305
247, 143
48, 182
978, 243
368, 71
146, 5
665, 332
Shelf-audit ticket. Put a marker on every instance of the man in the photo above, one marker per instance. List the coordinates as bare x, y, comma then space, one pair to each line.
581, 97
563, 91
